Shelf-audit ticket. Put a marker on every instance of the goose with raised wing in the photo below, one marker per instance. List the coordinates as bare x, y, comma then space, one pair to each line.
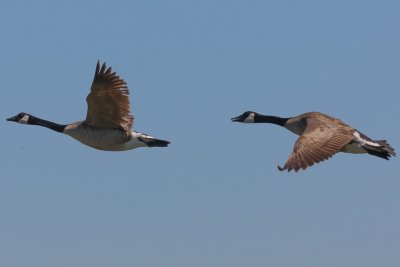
108, 123
321, 136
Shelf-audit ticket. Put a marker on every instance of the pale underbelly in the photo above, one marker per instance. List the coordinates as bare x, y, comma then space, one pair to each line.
104, 144
104, 139
354, 148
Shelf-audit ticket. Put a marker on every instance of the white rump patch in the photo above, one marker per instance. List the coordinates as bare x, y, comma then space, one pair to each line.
362, 141
24, 119
250, 118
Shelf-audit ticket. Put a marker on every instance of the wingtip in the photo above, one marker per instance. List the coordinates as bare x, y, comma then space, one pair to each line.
97, 68
288, 169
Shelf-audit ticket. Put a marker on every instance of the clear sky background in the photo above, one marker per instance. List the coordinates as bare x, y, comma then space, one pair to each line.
215, 196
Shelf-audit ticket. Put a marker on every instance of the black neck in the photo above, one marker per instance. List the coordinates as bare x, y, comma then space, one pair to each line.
258, 118
51, 125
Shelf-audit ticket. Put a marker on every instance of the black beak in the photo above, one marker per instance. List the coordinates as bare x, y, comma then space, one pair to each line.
236, 119
13, 119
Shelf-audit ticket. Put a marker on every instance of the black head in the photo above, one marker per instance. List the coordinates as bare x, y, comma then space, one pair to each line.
20, 118
246, 117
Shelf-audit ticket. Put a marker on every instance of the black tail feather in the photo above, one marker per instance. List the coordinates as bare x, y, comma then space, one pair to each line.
157, 143
384, 150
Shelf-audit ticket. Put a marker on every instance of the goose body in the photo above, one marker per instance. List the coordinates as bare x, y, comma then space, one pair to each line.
109, 120
110, 139
321, 136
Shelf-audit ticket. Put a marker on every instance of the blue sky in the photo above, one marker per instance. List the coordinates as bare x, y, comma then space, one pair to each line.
215, 196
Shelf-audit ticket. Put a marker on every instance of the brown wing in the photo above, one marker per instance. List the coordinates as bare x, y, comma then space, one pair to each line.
108, 101
319, 141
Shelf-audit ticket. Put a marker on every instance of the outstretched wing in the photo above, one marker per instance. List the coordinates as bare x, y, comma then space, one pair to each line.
319, 142
108, 101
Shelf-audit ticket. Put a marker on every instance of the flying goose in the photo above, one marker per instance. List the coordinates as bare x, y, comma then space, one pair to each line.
108, 121
321, 136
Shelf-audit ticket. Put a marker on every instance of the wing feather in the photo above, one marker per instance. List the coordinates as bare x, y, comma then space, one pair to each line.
108, 101
319, 142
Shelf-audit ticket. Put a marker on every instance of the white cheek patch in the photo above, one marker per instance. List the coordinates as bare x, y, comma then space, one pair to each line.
364, 141
24, 119
250, 118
